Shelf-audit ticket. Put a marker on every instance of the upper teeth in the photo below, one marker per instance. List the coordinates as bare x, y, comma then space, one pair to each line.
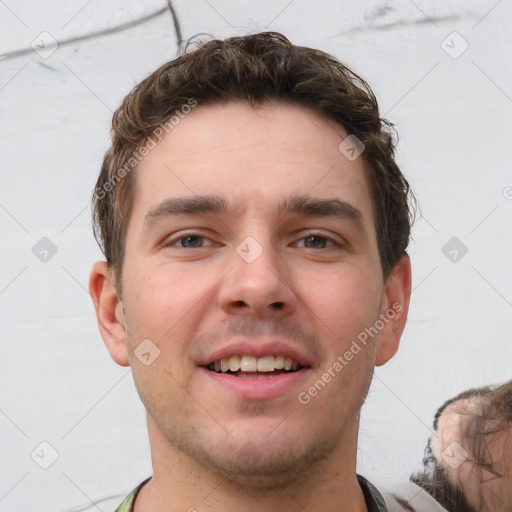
254, 364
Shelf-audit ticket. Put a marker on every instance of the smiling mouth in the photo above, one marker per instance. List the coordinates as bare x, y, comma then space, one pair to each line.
255, 367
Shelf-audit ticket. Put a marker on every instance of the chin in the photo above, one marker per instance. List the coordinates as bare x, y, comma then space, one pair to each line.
251, 468
260, 461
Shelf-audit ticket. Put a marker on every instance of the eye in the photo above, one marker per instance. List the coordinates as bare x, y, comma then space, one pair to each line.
191, 241
316, 241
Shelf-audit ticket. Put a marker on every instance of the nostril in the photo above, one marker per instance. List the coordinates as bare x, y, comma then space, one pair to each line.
277, 305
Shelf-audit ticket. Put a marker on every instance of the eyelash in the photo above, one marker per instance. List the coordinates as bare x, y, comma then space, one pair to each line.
311, 234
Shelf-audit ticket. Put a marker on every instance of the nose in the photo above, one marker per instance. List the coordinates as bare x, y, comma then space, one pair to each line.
257, 283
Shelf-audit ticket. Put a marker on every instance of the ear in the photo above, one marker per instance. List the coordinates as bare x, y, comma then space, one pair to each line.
109, 312
395, 305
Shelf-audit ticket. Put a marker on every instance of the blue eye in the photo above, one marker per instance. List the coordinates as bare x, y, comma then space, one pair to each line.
196, 241
316, 241
191, 241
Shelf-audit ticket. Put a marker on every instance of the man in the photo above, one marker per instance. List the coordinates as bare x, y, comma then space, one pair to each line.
255, 227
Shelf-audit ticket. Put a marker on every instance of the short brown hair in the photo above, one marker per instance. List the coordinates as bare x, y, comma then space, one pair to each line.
258, 68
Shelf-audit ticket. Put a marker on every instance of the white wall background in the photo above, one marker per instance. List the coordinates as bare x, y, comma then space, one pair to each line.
58, 383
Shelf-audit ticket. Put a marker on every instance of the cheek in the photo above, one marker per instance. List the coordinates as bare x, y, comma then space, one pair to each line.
162, 309
161, 294
344, 304
346, 299
166, 305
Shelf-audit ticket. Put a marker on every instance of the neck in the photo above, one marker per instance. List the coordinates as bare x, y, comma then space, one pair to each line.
329, 484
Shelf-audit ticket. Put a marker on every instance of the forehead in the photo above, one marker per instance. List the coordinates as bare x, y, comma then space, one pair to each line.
251, 157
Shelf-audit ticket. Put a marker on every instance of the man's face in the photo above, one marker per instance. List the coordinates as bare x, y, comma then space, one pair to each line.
265, 276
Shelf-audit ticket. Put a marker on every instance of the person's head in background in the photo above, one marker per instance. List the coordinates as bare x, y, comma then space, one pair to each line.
260, 235
468, 464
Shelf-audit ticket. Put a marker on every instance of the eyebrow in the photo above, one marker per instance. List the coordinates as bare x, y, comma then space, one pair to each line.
320, 207
294, 205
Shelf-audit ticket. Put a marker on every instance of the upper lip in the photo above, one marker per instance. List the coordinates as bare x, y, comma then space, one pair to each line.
256, 348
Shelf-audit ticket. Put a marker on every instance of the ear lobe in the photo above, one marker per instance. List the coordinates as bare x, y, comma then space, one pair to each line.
109, 312
395, 306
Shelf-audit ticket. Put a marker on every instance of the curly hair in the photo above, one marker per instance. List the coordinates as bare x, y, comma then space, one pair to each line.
258, 69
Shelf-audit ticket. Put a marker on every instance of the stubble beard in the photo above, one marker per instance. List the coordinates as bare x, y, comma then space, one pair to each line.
245, 467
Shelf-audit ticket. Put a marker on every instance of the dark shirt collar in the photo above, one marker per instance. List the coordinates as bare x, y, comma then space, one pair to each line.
374, 500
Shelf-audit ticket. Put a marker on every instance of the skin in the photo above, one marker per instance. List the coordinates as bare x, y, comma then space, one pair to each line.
190, 301
485, 491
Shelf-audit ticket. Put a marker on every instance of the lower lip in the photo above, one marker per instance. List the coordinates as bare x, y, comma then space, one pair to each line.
258, 388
